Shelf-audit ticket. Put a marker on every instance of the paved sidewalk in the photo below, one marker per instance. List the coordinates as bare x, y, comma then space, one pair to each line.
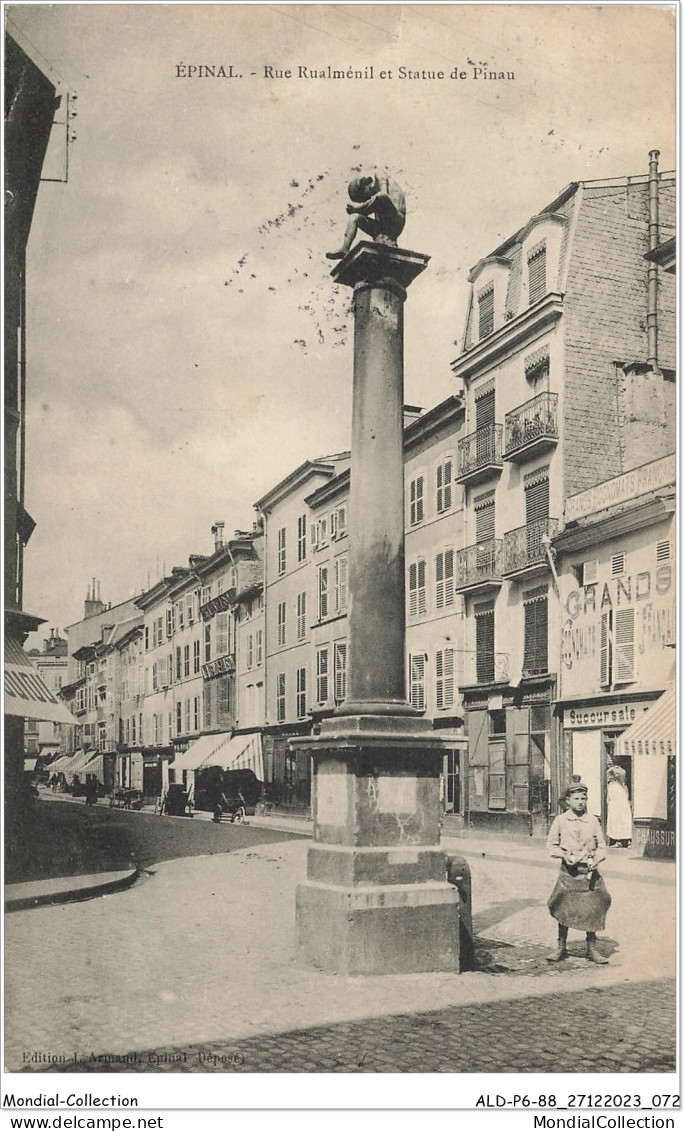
38, 893
203, 951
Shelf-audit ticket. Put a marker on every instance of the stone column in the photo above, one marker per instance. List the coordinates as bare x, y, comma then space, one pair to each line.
376, 899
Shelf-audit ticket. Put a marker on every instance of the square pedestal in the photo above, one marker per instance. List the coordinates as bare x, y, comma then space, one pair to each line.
376, 898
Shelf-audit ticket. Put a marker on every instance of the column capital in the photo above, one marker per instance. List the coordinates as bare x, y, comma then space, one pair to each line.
370, 263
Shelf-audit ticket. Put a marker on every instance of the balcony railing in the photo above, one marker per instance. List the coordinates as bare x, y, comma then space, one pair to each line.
525, 548
479, 454
480, 566
532, 428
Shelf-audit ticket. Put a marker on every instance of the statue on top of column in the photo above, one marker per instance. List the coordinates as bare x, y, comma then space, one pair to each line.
378, 207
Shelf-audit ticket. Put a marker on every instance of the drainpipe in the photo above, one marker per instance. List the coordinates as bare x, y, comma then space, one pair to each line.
653, 240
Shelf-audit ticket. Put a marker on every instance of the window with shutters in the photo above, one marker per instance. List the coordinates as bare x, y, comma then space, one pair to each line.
301, 538
282, 556
617, 651
187, 715
536, 646
301, 616
444, 579
417, 596
155, 679
222, 633
417, 666
280, 697
301, 693
485, 407
179, 717
416, 497
186, 660
322, 673
169, 623
445, 489
340, 660
617, 564
536, 273
250, 651
444, 678
485, 311
341, 570
179, 664
207, 643
484, 642
259, 646
195, 713
281, 623
536, 495
485, 515
341, 521
663, 551
196, 656
497, 774
322, 592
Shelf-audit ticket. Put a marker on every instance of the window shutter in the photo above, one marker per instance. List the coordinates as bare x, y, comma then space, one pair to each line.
536, 266
624, 645
484, 642
485, 409
413, 589
341, 521
439, 582
422, 596
416, 500
535, 659
440, 487
663, 551
485, 304
340, 672
484, 517
605, 648
536, 500
322, 675
417, 691
617, 564
444, 683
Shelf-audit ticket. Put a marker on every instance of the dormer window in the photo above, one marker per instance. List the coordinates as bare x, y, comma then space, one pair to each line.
485, 310
536, 268
541, 243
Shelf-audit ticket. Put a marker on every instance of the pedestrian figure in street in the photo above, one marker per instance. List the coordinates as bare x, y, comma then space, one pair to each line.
580, 899
619, 819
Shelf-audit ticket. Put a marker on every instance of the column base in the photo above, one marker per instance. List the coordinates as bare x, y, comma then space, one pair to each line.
395, 929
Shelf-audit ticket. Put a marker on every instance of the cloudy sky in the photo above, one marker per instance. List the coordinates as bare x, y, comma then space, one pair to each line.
187, 348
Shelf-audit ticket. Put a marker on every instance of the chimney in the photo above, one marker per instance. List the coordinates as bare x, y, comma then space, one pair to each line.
411, 413
93, 604
653, 241
217, 531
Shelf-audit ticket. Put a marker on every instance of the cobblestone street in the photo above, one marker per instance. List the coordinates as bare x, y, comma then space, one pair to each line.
201, 954
510, 1036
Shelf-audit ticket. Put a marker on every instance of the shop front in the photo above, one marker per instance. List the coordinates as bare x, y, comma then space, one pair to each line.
592, 746
649, 745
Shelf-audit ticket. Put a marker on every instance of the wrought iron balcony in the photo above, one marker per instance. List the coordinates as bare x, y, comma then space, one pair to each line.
532, 428
479, 454
525, 548
479, 567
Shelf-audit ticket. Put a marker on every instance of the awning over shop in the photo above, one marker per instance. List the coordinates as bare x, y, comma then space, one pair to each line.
58, 766
26, 695
76, 764
654, 732
237, 752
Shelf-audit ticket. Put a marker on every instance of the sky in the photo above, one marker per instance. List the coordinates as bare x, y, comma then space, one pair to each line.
187, 347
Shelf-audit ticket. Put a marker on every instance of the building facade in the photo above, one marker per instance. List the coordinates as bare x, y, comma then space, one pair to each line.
566, 384
617, 576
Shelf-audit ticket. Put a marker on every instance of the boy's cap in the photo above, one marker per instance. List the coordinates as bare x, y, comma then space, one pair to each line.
576, 787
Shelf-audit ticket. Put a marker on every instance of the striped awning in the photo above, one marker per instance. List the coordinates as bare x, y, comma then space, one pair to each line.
654, 732
230, 752
26, 695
